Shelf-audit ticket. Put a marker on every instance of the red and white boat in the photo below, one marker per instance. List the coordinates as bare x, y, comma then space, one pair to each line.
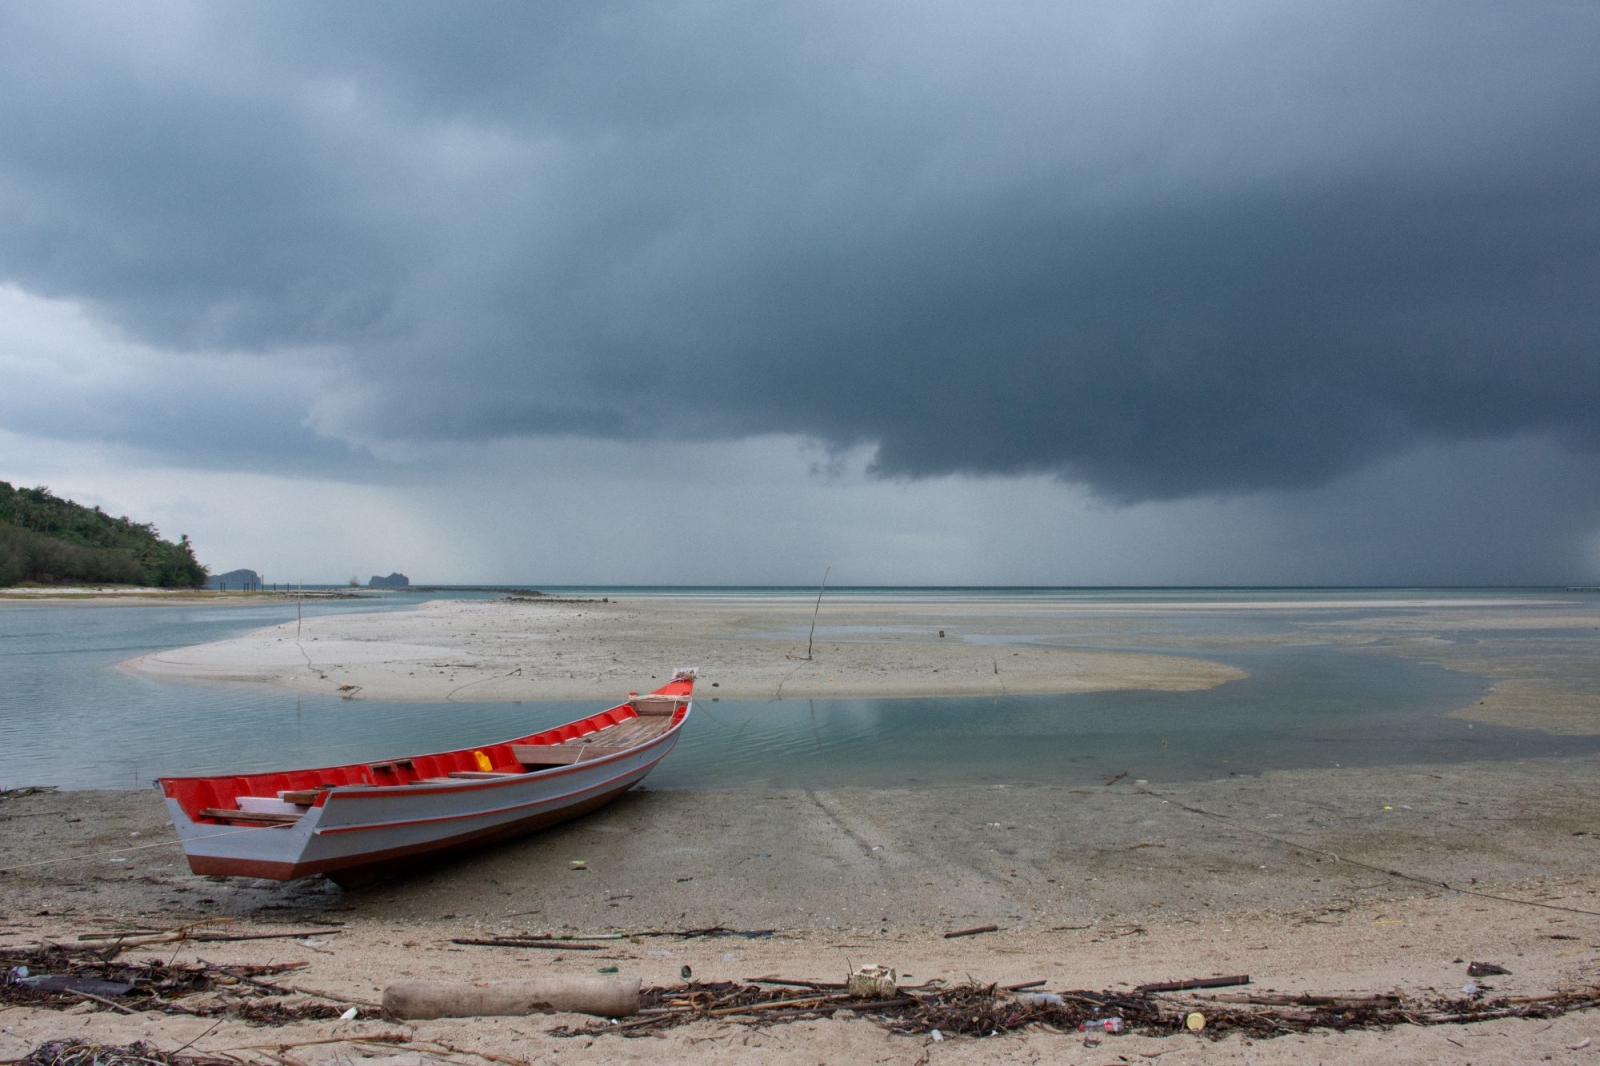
356, 821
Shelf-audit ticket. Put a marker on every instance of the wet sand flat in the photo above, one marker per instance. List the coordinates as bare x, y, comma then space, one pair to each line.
1101, 887
1327, 880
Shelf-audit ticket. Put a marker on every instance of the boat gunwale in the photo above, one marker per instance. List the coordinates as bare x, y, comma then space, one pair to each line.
469, 784
182, 790
561, 799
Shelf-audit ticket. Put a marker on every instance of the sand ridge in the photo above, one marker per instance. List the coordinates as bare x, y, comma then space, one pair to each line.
525, 649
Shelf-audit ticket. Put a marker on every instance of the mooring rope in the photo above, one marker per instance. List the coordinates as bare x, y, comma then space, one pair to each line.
1399, 874
131, 847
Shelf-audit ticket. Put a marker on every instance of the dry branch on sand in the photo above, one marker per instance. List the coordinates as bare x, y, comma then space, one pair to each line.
58, 976
987, 1010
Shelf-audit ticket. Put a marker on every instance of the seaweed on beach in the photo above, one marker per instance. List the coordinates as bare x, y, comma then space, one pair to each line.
76, 1051
58, 976
26, 790
988, 1010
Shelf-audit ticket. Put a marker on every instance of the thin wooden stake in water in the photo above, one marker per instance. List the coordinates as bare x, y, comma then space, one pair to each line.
300, 596
815, 610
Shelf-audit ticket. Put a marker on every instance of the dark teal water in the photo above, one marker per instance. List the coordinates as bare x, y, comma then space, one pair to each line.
68, 717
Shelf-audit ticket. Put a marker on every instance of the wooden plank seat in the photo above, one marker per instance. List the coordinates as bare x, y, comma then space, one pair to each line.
457, 777
638, 728
305, 797
562, 754
249, 817
624, 734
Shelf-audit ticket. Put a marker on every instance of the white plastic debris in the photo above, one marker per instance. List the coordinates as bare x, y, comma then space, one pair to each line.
873, 982
349, 1014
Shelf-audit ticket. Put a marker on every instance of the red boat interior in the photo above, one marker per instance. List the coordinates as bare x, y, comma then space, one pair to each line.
279, 798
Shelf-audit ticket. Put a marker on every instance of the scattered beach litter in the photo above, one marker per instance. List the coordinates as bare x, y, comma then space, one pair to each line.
987, 1010
873, 982
253, 993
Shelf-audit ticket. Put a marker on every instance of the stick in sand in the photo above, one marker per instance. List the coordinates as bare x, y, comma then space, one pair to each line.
816, 610
974, 931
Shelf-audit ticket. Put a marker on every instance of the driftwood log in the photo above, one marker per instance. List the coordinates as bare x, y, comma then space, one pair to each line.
607, 997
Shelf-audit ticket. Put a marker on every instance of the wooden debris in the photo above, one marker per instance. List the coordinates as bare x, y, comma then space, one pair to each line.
773, 979
708, 931
975, 1010
102, 1000
1275, 999
639, 934
136, 938
529, 942
974, 931
1197, 982
608, 997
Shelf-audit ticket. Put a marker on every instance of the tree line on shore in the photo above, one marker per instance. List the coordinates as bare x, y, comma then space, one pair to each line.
48, 540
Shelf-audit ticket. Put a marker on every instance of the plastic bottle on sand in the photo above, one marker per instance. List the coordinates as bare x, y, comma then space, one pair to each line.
1112, 1024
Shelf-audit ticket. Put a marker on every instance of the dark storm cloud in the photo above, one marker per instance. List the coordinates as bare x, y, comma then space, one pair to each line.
1165, 250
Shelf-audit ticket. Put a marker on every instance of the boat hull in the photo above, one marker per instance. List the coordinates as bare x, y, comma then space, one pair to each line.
354, 833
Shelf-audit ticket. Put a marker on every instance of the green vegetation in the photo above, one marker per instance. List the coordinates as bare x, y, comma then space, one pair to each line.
49, 540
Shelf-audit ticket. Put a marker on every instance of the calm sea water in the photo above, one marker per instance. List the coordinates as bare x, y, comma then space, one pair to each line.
68, 717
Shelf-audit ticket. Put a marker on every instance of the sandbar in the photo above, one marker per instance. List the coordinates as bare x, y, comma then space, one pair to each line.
756, 648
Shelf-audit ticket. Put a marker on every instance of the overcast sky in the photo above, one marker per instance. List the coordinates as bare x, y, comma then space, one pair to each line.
676, 292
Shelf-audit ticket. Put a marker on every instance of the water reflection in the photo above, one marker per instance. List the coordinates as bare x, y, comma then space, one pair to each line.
69, 717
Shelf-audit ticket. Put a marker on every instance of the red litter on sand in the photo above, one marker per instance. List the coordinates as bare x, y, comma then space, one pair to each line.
1112, 1024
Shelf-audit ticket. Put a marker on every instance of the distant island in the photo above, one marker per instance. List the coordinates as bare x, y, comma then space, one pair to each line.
236, 580
393, 581
51, 541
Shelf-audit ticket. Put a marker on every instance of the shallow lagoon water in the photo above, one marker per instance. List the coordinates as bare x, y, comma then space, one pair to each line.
69, 717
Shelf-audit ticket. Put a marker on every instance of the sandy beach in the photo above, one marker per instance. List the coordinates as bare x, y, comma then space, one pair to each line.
1353, 881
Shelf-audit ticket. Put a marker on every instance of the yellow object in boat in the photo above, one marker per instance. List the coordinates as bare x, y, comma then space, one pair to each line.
483, 761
